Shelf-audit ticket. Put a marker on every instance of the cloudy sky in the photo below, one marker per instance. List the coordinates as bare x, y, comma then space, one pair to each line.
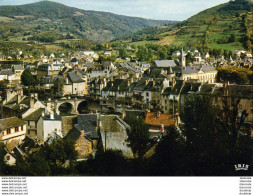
153, 9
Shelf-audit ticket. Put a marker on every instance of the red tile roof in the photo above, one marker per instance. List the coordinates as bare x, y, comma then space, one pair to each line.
165, 119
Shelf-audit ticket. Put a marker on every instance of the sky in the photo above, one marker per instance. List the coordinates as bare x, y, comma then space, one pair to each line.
151, 9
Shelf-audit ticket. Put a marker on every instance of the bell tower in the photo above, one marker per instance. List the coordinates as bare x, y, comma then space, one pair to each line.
182, 59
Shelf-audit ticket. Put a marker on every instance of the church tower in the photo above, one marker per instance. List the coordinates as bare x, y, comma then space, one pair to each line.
182, 59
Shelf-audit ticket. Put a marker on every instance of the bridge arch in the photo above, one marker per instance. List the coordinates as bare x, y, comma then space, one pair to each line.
66, 108
82, 107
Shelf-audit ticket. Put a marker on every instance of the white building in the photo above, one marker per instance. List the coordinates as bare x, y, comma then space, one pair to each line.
48, 124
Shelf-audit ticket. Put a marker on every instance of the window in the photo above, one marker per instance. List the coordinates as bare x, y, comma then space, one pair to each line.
21, 127
8, 131
165, 101
16, 129
147, 94
8, 157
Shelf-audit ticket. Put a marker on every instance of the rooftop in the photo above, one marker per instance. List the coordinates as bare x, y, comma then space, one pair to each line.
7, 123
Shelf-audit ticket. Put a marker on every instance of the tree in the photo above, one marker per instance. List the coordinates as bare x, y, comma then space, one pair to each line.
212, 137
123, 53
162, 53
232, 38
138, 136
170, 156
27, 78
189, 58
2, 163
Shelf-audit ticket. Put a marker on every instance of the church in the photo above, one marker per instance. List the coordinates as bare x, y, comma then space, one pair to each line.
181, 71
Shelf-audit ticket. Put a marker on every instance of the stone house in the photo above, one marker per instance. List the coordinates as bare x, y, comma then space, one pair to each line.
72, 84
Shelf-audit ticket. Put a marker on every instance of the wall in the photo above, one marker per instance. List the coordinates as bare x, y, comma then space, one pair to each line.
13, 134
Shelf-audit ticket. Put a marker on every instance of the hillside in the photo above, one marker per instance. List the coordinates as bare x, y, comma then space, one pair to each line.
224, 26
33, 21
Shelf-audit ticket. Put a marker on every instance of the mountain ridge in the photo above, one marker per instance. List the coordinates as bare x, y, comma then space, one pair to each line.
92, 25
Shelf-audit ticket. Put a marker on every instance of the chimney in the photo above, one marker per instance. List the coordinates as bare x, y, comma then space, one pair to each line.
146, 82
173, 82
82, 133
8, 94
76, 72
51, 115
123, 114
98, 123
153, 83
162, 128
19, 98
132, 80
158, 114
57, 112
31, 102
112, 79
128, 83
67, 81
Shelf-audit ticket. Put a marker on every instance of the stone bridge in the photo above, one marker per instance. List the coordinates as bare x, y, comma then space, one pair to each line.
74, 102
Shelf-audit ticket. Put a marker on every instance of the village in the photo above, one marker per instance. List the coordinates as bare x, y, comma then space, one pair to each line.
76, 98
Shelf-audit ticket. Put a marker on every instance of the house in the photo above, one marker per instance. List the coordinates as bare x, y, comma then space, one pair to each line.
176, 54
100, 70
12, 128
9, 75
170, 98
114, 136
51, 55
74, 61
107, 53
197, 57
231, 93
19, 105
166, 63
96, 86
32, 122
116, 95
72, 84
159, 123
92, 129
83, 144
49, 70
47, 124
25, 147
9, 158
85, 134
88, 53
45, 86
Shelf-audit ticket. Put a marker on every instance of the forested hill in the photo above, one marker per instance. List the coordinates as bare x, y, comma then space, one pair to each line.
227, 26
36, 18
227, 10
